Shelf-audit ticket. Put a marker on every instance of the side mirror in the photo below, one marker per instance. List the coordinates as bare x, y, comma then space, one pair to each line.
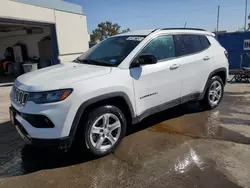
147, 59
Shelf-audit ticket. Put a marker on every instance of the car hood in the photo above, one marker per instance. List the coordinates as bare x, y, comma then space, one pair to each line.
58, 76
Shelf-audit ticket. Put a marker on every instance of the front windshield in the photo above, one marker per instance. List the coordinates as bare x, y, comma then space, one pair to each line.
110, 52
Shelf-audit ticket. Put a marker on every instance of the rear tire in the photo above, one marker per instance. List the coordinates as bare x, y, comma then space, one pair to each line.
214, 93
103, 130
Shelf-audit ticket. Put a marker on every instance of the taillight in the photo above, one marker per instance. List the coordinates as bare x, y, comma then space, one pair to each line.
226, 54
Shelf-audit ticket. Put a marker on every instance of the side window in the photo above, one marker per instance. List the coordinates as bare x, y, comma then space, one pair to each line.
204, 42
187, 44
162, 47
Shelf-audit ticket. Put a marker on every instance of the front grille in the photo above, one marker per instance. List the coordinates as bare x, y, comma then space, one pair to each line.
20, 96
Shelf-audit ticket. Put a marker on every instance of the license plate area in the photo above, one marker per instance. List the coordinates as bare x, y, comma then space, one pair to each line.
20, 129
24, 137
12, 116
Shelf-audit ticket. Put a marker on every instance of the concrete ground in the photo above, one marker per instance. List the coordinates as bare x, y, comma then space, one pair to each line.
182, 147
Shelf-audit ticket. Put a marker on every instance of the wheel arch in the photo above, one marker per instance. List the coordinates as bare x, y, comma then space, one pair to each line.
119, 99
221, 72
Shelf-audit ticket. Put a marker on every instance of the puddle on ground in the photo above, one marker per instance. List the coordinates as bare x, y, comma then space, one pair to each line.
188, 169
193, 121
197, 171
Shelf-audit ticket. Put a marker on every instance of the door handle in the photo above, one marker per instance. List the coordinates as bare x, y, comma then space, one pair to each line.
174, 66
206, 58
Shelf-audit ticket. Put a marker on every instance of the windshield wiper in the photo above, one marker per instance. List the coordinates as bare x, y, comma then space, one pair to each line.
93, 62
76, 61
85, 61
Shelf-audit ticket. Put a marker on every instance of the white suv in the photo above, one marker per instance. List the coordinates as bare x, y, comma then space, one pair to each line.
115, 84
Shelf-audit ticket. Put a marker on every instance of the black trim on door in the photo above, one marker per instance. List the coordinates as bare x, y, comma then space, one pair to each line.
156, 109
165, 106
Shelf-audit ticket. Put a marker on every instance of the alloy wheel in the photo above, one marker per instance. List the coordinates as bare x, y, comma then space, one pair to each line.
105, 132
215, 92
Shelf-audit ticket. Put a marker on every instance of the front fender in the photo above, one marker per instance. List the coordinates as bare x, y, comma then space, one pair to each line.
87, 103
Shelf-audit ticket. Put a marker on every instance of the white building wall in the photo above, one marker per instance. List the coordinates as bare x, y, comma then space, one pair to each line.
72, 35
71, 29
21, 11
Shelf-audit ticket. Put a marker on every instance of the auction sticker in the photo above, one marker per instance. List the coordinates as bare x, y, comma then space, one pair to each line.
135, 38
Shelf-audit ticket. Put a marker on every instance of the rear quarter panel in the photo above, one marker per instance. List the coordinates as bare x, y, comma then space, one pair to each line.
218, 57
218, 54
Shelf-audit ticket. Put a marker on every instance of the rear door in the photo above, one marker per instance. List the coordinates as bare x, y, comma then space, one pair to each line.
195, 55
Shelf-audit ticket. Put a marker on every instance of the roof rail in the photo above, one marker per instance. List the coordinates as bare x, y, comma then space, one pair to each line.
197, 29
155, 30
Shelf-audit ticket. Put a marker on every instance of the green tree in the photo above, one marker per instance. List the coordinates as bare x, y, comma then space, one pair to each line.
125, 30
105, 30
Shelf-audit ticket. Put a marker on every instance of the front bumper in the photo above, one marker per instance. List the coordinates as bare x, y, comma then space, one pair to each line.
59, 117
59, 143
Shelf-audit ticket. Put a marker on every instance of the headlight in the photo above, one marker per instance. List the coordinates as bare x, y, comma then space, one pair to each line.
49, 96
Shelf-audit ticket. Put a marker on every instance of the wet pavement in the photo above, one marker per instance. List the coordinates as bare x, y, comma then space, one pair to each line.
183, 147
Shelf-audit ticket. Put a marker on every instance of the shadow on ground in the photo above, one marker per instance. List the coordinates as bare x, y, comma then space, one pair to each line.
6, 85
6, 80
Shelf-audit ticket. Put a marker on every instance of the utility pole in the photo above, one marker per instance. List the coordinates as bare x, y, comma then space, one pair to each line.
218, 19
246, 16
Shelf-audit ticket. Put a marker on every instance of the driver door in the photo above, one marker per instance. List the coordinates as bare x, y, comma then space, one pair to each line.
157, 86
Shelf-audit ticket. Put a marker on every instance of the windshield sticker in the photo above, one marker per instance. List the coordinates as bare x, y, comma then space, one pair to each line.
113, 60
135, 38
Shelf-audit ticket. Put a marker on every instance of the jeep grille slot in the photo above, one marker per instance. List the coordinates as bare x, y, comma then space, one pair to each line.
20, 96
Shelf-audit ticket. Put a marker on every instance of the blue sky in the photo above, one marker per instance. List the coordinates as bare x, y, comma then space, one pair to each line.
148, 14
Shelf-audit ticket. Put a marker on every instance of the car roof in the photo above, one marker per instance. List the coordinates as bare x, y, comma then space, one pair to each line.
167, 31
137, 32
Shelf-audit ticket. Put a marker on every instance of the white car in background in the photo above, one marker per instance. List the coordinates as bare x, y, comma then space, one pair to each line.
117, 83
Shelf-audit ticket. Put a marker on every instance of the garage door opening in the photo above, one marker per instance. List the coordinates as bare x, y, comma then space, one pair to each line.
25, 48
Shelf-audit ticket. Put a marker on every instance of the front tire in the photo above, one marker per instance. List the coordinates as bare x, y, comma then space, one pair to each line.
214, 93
103, 130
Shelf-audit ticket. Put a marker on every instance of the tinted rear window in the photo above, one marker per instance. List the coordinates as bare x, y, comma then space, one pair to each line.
204, 42
187, 44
